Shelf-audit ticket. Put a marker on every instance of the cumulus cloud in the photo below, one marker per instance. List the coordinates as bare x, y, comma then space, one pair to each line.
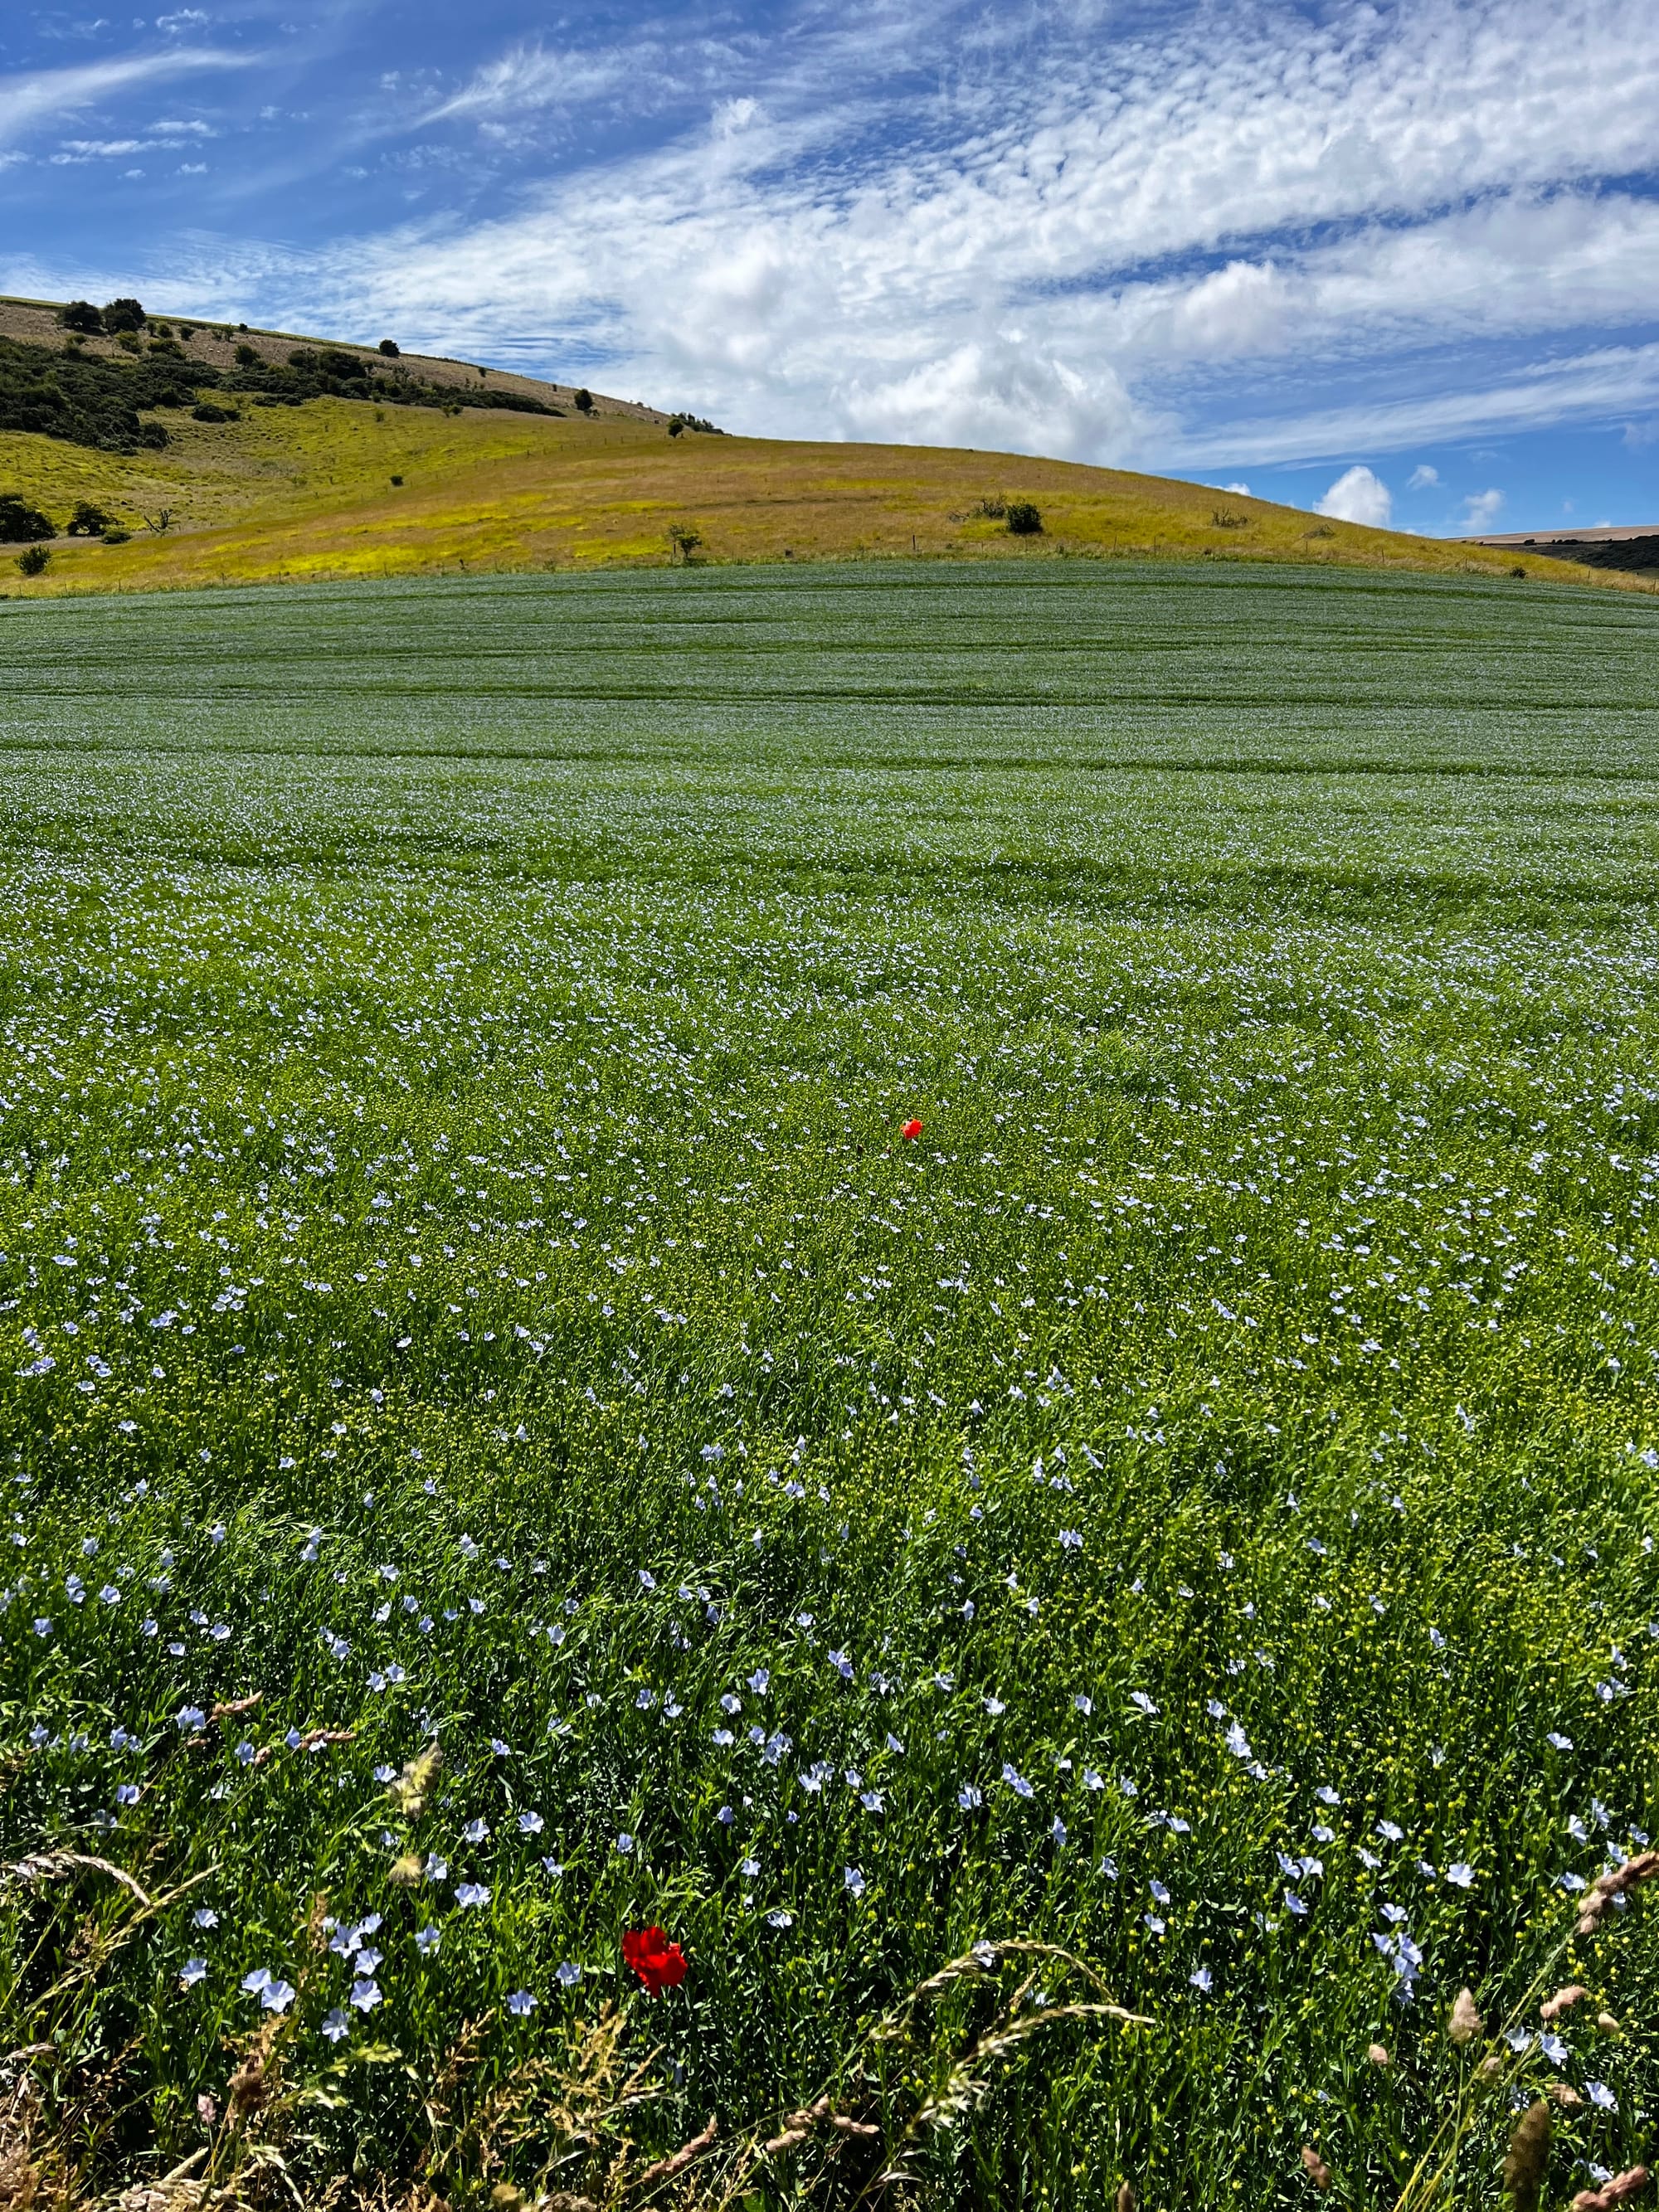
1358, 495
1481, 510
1422, 476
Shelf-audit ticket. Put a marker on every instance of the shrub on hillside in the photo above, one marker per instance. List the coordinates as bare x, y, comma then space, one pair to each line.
390, 348
20, 523
205, 411
33, 559
582, 401
125, 315
89, 521
82, 316
1024, 521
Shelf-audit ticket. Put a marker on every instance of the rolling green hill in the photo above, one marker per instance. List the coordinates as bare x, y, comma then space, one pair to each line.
225, 455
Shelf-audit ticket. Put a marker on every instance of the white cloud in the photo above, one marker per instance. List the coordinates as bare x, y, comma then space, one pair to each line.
1608, 385
1358, 495
28, 100
1242, 489
1481, 510
1422, 476
1169, 245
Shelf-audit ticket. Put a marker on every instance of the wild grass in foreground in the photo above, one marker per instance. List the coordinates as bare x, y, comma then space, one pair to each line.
1173, 1537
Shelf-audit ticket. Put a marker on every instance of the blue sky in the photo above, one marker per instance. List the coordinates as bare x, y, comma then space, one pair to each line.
1399, 256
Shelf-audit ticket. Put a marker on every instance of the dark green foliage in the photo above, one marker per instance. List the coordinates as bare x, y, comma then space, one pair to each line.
89, 521
582, 401
33, 559
1024, 521
125, 315
94, 402
88, 401
679, 422
390, 348
19, 522
80, 315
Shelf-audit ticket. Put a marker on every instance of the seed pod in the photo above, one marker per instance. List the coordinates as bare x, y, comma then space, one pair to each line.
1529, 2156
1128, 2198
1465, 2023
404, 1873
1607, 2023
1318, 2173
1377, 2054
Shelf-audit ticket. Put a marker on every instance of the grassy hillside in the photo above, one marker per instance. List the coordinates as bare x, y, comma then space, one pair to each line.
340, 488
308, 492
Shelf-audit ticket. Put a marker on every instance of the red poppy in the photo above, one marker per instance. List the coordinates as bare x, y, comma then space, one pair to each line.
659, 1964
911, 1130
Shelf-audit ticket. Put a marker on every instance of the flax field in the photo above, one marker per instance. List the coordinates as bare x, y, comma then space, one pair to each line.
509, 1445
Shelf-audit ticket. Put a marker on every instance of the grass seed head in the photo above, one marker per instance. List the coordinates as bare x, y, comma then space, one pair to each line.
1529, 2156
1563, 2000
1315, 2168
415, 1785
248, 2087
1622, 2185
1465, 2023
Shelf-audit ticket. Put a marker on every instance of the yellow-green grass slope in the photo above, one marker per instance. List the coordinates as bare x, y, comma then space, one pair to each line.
295, 493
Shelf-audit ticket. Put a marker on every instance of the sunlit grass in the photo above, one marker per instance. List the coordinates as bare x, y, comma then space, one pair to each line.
305, 492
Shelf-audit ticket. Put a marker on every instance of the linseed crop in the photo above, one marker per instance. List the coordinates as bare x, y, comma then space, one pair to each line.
1192, 1505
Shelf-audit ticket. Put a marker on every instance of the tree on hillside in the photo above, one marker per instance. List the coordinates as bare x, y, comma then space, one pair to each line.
683, 540
125, 315
80, 315
582, 401
390, 348
19, 522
